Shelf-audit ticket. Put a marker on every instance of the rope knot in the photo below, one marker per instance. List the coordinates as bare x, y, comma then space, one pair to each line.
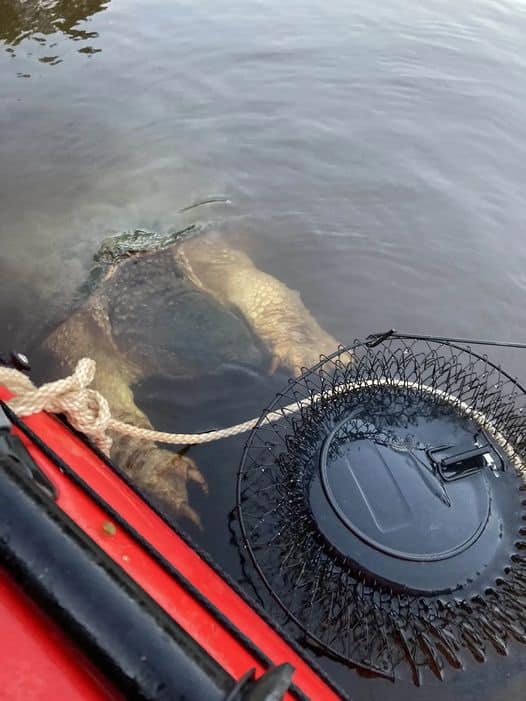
89, 412
86, 409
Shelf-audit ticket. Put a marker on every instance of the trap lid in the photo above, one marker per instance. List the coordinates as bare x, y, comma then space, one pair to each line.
420, 507
381, 502
397, 502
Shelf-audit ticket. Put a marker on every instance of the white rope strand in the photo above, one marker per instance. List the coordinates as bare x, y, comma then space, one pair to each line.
89, 412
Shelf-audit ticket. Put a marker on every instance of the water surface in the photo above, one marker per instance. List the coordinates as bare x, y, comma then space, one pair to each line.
374, 155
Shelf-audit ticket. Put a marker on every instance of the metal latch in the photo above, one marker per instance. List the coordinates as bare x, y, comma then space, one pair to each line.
454, 462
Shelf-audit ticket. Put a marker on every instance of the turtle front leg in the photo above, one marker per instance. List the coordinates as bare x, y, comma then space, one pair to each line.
275, 313
164, 474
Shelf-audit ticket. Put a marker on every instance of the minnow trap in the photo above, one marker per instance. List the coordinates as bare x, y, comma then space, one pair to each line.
381, 499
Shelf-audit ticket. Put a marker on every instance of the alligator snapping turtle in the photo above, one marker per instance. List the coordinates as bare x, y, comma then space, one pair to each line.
178, 305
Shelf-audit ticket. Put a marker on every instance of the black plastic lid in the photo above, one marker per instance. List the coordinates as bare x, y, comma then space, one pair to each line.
421, 505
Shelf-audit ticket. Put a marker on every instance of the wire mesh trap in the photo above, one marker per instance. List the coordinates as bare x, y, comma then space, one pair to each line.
382, 501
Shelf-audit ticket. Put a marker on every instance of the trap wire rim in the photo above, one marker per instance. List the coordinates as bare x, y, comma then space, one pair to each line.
88, 411
270, 414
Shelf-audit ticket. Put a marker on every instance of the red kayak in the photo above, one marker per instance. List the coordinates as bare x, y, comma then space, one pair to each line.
102, 599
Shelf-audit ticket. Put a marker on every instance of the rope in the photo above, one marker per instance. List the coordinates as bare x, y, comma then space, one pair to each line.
86, 409
89, 412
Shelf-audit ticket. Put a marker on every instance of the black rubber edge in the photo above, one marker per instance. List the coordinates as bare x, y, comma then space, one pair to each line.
258, 654
105, 613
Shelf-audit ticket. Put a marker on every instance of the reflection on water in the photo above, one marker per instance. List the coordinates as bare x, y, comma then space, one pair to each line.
41, 20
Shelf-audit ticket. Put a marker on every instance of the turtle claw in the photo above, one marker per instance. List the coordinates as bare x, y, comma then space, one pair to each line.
194, 475
300, 351
165, 475
274, 364
186, 511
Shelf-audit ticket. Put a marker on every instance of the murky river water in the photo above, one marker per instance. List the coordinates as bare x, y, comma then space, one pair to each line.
374, 155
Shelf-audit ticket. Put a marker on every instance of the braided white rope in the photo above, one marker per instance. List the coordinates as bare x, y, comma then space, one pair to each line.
86, 409
89, 412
